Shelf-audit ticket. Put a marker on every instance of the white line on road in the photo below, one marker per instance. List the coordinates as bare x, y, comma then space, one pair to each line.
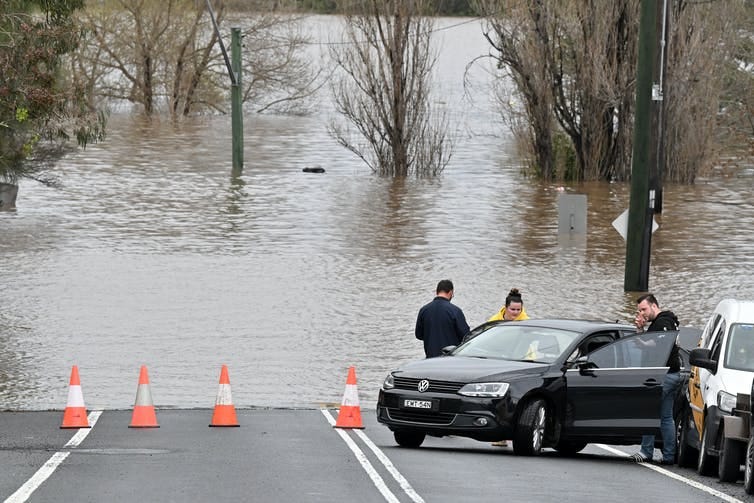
376, 479
672, 475
36, 480
391, 468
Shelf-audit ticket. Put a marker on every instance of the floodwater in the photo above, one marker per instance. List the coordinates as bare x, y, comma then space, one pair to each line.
153, 254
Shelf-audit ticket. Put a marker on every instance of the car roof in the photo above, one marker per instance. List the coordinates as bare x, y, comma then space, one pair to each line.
736, 311
574, 324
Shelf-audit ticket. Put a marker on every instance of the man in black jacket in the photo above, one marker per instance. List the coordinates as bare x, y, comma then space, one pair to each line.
441, 323
648, 312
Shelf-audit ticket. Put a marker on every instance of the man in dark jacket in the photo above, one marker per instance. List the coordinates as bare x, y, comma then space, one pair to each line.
441, 323
648, 312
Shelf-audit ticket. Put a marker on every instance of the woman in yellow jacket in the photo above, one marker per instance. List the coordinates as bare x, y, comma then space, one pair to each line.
513, 310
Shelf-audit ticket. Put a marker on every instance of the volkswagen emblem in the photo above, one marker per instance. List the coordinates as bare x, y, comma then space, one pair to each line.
423, 386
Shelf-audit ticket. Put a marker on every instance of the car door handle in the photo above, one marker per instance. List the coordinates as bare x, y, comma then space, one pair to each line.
651, 382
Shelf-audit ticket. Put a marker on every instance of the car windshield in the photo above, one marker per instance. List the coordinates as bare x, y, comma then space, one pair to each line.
513, 341
740, 352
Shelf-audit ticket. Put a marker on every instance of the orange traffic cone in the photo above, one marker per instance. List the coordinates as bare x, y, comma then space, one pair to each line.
349, 415
75, 410
144, 415
225, 413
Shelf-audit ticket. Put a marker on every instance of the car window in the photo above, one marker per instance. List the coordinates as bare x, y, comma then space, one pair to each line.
478, 330
709, 329
650, 349
514, 341
717, 340
593, 343
739, 354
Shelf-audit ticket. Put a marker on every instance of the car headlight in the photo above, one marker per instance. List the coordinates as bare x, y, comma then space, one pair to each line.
388, 382
485, 389
726, 402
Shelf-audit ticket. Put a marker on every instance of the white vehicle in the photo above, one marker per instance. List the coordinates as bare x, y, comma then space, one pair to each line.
722, 368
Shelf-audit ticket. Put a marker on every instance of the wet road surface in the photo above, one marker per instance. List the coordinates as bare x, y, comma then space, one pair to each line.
296, 455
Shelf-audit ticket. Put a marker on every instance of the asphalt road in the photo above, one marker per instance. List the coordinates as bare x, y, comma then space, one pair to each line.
286, 455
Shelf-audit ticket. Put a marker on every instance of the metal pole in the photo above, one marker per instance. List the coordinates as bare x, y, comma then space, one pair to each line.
639, 213
236, 100
657, 166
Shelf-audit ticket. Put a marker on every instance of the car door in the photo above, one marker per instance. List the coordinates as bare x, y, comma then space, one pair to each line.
617, 390
712, 339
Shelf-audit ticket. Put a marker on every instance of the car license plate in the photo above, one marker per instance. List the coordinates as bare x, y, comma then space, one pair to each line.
417, 404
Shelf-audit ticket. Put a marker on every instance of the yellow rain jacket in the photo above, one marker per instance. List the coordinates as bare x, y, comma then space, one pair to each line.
499, 315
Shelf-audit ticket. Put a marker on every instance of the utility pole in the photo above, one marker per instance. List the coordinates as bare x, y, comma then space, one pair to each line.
234, 72
657, 151
640, 212
236, 101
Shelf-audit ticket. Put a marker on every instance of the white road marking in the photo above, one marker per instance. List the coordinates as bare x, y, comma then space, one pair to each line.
83, 432
391, 468
362, 458
672, 475
25, 491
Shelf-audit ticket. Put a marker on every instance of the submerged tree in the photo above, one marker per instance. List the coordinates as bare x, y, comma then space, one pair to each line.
573, 65
40, 111
382, 89
709, 87
164, 55
735, 133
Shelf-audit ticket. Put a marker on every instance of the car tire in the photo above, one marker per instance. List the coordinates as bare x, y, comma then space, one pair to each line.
687, 455
749, 467
530, 430
411, 439
705, 464
729, 464
569, 448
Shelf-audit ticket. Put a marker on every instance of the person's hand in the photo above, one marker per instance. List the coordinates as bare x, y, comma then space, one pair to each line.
639, 321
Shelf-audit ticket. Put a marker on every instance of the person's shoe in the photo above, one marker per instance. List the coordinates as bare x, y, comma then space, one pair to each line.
638, 458
501, 443
666, 462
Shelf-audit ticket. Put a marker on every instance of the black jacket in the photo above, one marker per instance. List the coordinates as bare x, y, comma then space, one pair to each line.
440, 324
667, 321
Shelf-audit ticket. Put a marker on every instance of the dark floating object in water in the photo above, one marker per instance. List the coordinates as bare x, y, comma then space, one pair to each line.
314, 169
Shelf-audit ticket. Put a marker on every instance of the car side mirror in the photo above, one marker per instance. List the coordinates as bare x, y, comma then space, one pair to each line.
584, 365
700, 357
581, 359
587, 369
447, 350
575, 363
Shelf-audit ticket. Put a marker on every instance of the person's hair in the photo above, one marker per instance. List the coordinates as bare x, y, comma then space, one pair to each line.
513, 296
445, 285
649, 298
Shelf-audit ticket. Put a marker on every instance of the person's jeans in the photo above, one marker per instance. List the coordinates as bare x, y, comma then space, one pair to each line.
667, 425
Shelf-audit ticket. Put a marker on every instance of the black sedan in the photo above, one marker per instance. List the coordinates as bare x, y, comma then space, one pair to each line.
541, 383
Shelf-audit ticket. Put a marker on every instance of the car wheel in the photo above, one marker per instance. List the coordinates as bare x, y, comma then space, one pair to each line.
729, 465
569, 448
530, 431
705, 462
749, 468
687, 455
409, 438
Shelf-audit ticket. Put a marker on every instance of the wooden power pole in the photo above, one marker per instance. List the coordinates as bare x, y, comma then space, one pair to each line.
641, 209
